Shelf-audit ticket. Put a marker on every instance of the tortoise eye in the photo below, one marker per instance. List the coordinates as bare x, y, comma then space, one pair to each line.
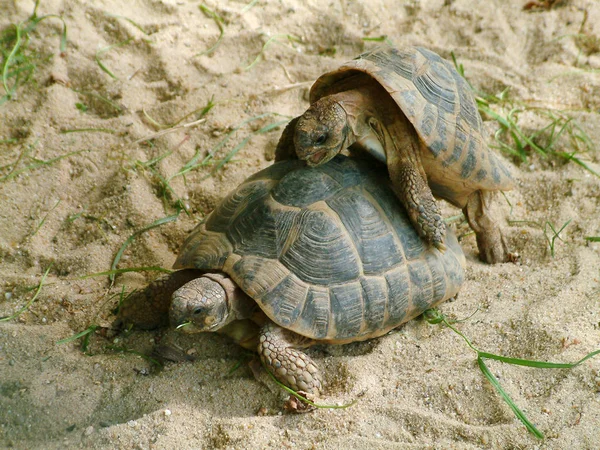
320, 140
197, 311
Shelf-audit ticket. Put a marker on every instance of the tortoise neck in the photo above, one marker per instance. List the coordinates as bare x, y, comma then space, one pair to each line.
358, 104
239, 305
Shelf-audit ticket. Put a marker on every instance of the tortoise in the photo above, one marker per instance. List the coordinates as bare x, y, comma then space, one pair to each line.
412, 110
296, 256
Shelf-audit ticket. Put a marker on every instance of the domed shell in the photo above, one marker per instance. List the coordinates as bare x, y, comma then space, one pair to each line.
327, 252
438, 102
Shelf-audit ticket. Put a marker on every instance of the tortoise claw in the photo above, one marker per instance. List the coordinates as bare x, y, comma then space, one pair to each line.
299, 406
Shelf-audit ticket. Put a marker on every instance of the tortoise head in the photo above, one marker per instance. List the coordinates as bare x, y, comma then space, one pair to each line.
199, 305
321, 132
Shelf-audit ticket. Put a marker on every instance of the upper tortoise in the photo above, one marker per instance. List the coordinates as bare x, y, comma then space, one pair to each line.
297, 256
412, 110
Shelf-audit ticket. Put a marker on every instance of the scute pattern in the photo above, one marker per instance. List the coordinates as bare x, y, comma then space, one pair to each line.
345, 268
204, 249
286, 301
347, 308
421, 284
372, 235
322, 252
303, 188
247, 193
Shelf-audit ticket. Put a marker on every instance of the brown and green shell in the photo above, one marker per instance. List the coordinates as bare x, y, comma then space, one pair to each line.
327, 252
438, 102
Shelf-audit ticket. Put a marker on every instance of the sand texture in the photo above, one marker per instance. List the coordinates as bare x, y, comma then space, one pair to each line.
103, 179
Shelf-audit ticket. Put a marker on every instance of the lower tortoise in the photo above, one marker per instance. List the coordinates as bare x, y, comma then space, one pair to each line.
297, 256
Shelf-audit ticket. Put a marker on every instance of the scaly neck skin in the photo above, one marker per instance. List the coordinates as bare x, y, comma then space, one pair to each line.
365, 125
239, 305
353, 103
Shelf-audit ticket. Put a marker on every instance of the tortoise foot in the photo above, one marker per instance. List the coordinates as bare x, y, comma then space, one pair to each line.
291, 367
492, 247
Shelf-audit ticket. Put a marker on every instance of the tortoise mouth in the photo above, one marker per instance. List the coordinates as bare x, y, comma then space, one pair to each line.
192, 328
317, 158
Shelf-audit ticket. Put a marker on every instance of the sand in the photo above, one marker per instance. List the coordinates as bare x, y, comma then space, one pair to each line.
417, 387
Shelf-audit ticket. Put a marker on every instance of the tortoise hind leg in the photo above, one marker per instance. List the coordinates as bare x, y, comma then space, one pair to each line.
490, 241
149, 308
293, 368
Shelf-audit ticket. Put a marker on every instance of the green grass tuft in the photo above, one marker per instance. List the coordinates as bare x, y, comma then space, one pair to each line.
35, 164
220, 24
131, 238
30, 302
19, 60
194, 163
547, 141
275, 38
556, 234
85, 334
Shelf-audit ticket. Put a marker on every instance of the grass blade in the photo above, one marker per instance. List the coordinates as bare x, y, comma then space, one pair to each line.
30, 302
81, 334
107, 49
520, 415
219, 21
272, 39
304, 399
537, 364
130, 239
238, 147
128, 269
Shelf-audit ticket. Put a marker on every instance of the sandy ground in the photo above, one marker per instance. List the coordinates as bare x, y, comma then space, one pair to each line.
418, 386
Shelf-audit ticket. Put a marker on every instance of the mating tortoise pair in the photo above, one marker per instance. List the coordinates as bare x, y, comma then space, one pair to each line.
296, 256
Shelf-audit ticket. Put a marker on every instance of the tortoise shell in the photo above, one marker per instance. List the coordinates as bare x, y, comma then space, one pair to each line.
438, 102
326, 252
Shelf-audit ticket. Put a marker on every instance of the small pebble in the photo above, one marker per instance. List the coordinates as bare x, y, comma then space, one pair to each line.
89, 430
8, 295
167, 412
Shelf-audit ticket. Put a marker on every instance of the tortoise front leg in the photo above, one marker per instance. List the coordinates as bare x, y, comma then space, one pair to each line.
291, 367
415, 194
285, 147
400, 144
490, 241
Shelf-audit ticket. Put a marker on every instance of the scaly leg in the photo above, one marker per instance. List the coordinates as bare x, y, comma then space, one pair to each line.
413, 191
285, 147
403, 154
293, 368
490, 241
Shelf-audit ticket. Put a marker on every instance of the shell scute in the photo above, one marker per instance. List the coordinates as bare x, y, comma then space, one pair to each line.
321, 252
